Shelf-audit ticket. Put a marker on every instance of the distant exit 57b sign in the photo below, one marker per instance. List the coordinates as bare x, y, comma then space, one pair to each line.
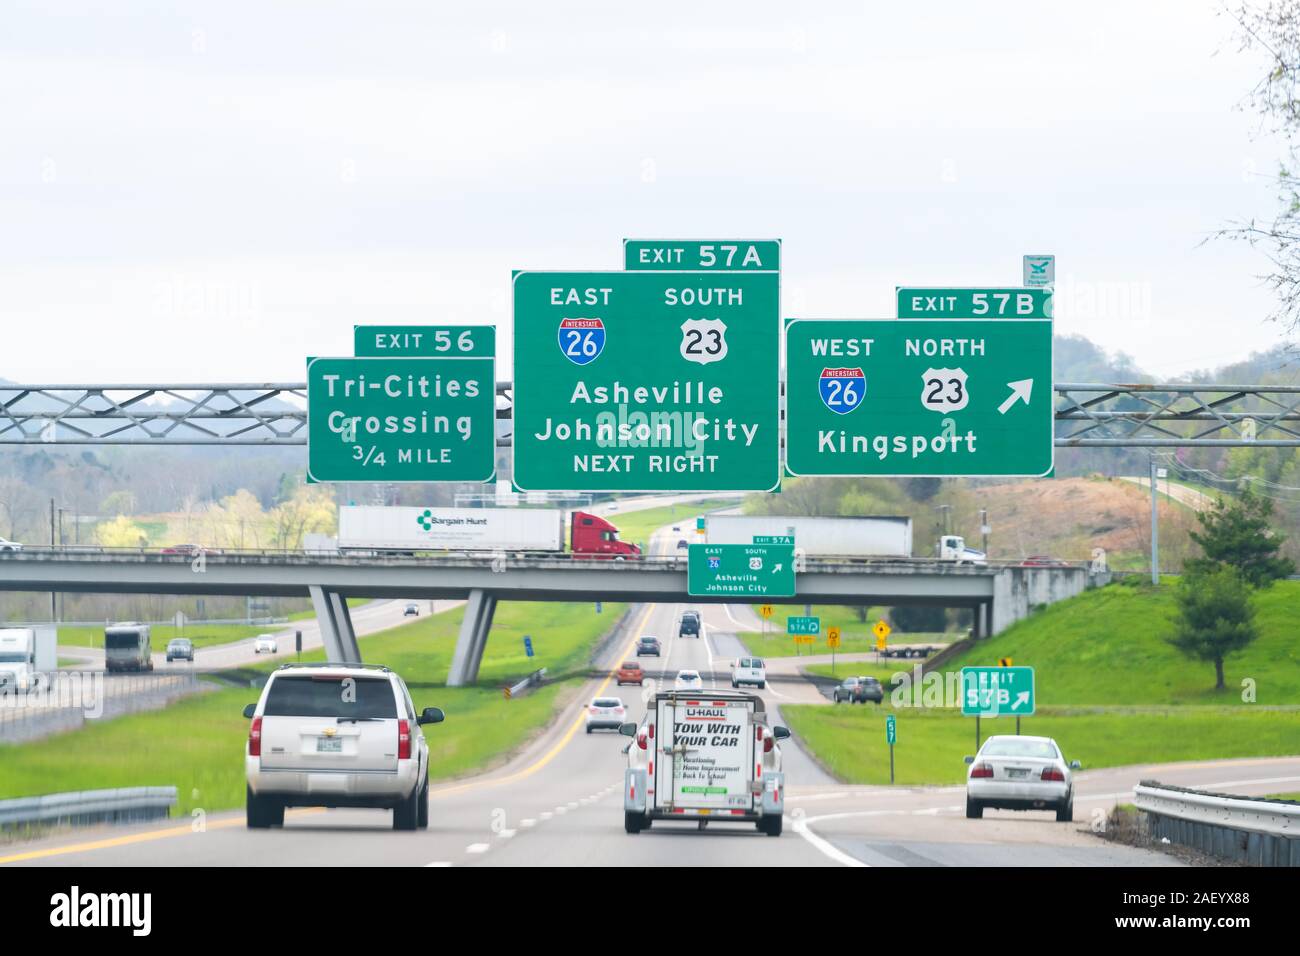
919, 397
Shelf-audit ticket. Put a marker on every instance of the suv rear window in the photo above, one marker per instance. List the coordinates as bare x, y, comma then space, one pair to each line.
319, 696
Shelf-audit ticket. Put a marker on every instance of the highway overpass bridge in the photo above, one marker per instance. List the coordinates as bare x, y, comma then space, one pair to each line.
998, 595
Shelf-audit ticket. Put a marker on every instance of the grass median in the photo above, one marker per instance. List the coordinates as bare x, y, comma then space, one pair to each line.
197, 744
849, 740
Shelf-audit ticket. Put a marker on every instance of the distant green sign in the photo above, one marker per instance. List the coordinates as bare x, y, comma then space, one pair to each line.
803, 625
774, 539
1005, 303
729, 255
740, 570
997, 691
891, 730
426, 341
401, 419
897, 397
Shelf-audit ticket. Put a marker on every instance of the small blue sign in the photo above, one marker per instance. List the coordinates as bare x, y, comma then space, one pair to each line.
582, 340
528, 645
715, 562
842, 389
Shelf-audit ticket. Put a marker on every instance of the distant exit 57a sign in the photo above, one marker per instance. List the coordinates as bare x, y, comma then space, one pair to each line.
909, 398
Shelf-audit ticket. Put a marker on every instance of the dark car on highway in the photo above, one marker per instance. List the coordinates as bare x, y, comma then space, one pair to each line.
648, 646
690, 626
859, 690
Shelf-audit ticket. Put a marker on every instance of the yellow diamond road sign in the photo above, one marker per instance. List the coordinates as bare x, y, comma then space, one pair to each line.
766, 610
833, 636
881, 630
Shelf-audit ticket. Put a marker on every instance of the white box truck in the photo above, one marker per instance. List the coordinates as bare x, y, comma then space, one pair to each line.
24, 653
875, 536
381, 528
704, 756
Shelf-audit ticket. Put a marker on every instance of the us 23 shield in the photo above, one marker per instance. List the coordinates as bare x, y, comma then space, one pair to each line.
582, 340
842, 389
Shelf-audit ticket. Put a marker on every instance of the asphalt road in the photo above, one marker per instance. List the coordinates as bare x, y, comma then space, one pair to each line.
559, 802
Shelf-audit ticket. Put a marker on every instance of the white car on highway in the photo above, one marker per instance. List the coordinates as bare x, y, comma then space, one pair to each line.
605, 713
337, 735
7, 545
749, 670
266, 644
1020, 773
688, 680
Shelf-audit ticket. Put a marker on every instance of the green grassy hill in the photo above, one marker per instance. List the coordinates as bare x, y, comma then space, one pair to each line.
1108, 647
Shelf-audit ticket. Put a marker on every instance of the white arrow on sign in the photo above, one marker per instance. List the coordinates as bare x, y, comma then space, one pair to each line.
1020, 391
1021, 698
777, 567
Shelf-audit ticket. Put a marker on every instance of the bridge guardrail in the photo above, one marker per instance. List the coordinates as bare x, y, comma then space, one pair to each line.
532, 680
122, 805
1251, 830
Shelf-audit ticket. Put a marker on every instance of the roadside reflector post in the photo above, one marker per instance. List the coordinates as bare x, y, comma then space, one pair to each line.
297, 643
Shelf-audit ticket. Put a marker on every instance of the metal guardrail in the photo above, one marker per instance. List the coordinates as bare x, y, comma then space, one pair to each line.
1251, 830
532, 680
124, 805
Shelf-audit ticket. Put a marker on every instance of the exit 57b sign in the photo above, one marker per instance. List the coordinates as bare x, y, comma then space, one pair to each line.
900, 397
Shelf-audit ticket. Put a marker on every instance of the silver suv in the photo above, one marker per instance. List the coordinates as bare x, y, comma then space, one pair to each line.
337, 735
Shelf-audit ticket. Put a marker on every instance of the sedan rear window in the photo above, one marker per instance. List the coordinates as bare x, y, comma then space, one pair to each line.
606, 702
1020, 748
312, 696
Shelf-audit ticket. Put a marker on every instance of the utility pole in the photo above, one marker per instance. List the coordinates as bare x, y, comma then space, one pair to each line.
54, 610
1155, 525
945, 509
984, 529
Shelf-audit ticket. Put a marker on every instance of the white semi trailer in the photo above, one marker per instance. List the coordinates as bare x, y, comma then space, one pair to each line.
858, 537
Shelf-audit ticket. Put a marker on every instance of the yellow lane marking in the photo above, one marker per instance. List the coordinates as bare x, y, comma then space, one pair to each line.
568, 734
132, 838
239, 821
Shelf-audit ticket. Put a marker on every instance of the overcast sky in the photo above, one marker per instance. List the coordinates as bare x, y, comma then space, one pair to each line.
211, 192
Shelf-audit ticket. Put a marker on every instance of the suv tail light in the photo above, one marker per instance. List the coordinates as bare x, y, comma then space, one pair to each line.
403, 740
981, 770
1052, 773
255, 738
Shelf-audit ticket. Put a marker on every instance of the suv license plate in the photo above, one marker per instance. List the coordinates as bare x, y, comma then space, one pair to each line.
329, 745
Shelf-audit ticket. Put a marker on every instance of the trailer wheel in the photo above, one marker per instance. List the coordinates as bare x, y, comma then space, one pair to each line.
633, 822
770, 825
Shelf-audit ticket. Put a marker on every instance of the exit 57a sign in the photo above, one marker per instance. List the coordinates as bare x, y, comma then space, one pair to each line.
897, 397
665, 379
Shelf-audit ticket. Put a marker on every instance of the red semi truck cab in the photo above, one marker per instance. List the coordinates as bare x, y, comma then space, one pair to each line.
592, 534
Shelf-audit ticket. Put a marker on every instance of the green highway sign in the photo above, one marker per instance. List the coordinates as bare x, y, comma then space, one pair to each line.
740, 570
897, 397
1005, 303
646, 381
891, 729
803, 625
425, 341
729, 255
997, 691
774, 539
401, 419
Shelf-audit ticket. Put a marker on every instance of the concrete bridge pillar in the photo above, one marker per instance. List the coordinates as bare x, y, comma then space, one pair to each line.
335, 626
473, 638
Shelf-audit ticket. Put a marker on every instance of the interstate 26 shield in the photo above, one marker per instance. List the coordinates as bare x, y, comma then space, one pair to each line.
842, 389
582, 340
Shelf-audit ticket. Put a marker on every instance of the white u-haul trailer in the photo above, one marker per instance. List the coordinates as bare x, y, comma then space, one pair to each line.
704, 756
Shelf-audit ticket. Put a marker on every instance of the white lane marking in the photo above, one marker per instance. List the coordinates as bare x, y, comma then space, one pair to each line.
731, 617
573, 804
708, 649
561, 811
478, 848
527, 822
824, 847
506, 834
546, 814
439, 863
